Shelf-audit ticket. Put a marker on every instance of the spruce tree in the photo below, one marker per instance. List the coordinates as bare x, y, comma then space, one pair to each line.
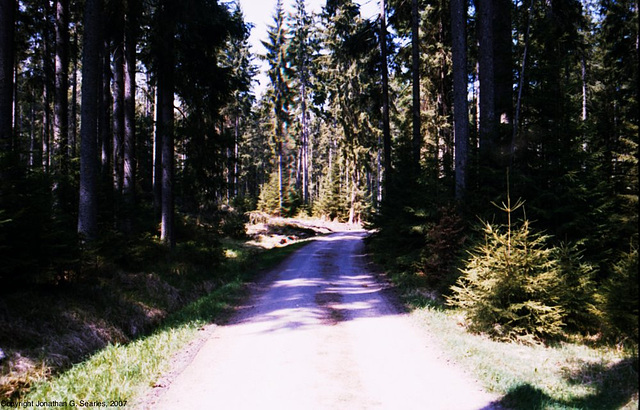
279, 90
509, 286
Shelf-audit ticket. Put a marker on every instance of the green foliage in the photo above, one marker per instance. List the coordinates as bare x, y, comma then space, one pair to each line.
269, 200
622, 296
38, 238
331, 202
509, 286
441, 253
577, 290
232, 223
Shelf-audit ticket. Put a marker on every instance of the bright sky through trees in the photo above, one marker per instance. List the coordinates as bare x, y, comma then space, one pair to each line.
260, 14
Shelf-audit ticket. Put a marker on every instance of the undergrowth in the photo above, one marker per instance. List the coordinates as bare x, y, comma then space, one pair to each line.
105, 331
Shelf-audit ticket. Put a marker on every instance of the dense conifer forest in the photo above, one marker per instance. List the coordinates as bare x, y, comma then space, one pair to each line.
491, 146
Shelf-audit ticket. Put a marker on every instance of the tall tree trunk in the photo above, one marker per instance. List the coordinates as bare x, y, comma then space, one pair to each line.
88, 209
104, 115
386, 131
503, 80
487, 106
118, 112
7, 26
35, 148
166, 69
521, 83
415, 73
460, 108
61, 100
157, 154
73, 122
46, 110
130, 102
46, 127
305, 140
279, 149
16, 108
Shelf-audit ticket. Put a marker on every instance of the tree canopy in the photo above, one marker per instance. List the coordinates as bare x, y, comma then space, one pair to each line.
124, 116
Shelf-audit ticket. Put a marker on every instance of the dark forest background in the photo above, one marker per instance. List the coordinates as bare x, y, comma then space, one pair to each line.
492, 145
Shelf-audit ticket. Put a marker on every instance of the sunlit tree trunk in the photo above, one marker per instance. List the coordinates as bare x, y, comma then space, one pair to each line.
118, 111
166, 69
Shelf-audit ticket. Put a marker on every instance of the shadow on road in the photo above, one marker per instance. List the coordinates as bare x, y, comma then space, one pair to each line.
324, 283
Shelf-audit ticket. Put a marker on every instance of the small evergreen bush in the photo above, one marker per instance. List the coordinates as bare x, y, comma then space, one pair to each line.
442, 250
269, 200
577, 290
621, 297
509, 287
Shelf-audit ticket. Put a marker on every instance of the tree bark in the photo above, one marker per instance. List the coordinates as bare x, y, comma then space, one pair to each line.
61, 99
73, 122
118, 112
460, 107
104, 115
87, 209
46, 110
521, 83
157, 154
386, 132
305, 140
488, 123
130, 103
415, 72
7, 26
503, 80
166, 69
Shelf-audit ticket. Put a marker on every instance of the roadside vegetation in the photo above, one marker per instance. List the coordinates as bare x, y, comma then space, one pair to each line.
533, 319
108, 333
561, 375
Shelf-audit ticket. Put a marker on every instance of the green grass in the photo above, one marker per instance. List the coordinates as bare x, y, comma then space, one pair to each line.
566, 376
121, 372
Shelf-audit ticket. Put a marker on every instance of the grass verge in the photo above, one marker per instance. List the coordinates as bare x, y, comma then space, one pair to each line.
565, 376
115, 374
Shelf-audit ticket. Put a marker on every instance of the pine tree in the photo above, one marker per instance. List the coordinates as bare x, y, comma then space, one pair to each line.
621, 297
509, 286
237, 58
352, 68
301, 50
279, 73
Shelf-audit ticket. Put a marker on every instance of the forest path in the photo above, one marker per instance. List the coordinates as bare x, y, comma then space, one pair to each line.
321, 334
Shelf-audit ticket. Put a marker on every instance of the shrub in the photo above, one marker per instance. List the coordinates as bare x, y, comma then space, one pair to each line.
442, 250
621, 297
577, 290
232, 223
269, 200
509, 286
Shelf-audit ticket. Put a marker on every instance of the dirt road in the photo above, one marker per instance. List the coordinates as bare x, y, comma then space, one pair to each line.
321, 334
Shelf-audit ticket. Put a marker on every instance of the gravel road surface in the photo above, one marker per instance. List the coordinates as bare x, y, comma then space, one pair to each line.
320, 332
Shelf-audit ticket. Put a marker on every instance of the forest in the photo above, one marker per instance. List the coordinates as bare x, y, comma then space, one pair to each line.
491, 146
